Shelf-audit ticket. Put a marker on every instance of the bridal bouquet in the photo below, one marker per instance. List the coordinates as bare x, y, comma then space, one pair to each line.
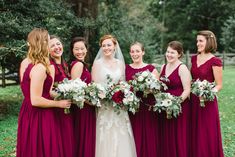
122, 97
168, 103
71, 89
94, 93
147, 83
204, 90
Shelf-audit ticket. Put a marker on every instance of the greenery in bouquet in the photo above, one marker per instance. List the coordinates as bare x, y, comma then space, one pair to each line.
147, 83
122, 96
73, 90
94, 93
204, 90
169, 103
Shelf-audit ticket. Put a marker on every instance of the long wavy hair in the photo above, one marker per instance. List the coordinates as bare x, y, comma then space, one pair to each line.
38, 47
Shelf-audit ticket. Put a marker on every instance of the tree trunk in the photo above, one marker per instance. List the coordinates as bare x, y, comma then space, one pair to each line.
87, 9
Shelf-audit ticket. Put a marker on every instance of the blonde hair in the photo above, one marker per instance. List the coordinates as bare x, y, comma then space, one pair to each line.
108, 36
38, 47
211, 44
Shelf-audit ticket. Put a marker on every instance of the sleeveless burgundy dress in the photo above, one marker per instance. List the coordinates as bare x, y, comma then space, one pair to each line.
66, 120
85, 124
144, 122
174, 133
206, 134
38, 128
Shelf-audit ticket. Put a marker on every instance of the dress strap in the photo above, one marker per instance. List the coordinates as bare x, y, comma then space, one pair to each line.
163, 70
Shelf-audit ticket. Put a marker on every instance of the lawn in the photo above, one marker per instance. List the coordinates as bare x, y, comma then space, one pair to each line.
227, 111
10, 100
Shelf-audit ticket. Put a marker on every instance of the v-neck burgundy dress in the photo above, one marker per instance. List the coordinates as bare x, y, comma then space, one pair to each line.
206, 134
174, 132
144, 122
65, 120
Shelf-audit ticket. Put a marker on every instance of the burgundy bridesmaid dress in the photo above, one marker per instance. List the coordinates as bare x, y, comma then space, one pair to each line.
38, 128
85, 124
206, 134
66, 120
144, 122
174, 133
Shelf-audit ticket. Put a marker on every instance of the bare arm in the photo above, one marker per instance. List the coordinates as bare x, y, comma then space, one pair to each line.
76, 70
155, 73
95, 71
185, 77
38, 76
218, 75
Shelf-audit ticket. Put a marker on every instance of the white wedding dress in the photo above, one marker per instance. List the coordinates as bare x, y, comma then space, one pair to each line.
114, 137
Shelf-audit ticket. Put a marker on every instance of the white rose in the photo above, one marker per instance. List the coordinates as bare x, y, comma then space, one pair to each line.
145, 74
166, 102
101, 95
140, 78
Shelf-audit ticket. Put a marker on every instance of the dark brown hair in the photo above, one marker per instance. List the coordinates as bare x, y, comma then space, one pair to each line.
211, 44
178, 46
63, 62
75, 40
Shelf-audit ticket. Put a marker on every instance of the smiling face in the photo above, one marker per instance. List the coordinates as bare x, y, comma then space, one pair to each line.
56, 48
108, 47
201, 43
136, 53
79, 50
172, 55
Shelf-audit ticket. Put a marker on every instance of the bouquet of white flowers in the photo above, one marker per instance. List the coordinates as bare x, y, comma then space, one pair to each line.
147, 83
122, 96
73, 90
94, 93
204, 90
168, 103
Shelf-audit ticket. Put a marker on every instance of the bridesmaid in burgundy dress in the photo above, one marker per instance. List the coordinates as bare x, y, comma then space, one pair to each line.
61, 71
38, 129
85, 119
206, 134
174, 132
144, 122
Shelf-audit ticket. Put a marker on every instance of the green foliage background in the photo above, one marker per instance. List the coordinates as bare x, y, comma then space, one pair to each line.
152, 22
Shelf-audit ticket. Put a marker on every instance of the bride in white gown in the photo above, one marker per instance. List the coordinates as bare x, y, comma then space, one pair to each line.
114, 137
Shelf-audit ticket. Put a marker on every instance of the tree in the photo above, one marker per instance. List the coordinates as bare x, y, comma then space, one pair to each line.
19, 18
87, 11
129, 21
184, 18
228, 31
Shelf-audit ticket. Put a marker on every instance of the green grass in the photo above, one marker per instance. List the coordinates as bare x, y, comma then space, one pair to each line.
227, 111
10, 101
